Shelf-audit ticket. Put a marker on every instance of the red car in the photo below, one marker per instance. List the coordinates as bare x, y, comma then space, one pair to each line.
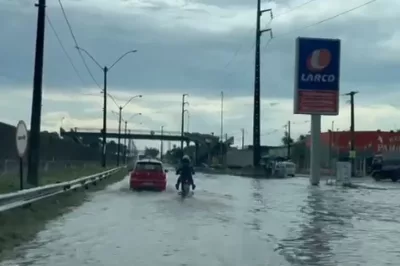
149, 173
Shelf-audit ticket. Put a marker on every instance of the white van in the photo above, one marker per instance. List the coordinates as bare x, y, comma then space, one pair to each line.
290, 167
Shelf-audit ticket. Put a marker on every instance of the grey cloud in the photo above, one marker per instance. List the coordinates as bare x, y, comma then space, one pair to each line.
180, 59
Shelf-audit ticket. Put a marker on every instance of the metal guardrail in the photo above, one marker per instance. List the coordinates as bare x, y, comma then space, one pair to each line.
23, 197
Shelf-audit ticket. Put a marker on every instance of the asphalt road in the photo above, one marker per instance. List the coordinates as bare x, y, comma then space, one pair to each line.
229, 221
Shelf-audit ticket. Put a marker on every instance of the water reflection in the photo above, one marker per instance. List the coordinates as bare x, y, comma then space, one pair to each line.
324, 213
259, 204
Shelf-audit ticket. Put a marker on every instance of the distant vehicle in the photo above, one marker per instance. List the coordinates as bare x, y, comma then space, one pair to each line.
290, 167
386, 166
148, 173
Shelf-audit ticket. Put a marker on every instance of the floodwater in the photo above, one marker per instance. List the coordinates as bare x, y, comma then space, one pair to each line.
229, 221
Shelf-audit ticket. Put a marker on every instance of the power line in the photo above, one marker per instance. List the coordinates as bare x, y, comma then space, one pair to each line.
76, 43
294, 8
64, 50
328, 18
237, 51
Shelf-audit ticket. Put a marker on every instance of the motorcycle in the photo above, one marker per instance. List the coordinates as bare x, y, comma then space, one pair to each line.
185, 188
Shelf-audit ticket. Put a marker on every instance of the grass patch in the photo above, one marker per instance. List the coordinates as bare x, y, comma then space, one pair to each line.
10, 182
22, 224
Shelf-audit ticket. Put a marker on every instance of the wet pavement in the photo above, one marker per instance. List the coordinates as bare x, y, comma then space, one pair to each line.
229, 221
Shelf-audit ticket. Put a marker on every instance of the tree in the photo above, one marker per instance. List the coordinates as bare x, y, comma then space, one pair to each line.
151, 152
92, 142
111, 147
301, 138
286, 139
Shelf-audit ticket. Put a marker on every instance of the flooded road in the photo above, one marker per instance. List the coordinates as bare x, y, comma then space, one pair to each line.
229, 221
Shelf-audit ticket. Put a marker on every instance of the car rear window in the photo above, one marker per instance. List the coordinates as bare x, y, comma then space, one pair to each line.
148, 166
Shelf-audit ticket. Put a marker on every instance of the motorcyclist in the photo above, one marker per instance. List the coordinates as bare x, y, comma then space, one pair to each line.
185, 171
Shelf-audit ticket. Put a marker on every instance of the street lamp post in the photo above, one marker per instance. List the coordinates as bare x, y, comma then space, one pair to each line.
120, 119
119, 124
125, 133
162, 143
183, 117
119, 135
105, 70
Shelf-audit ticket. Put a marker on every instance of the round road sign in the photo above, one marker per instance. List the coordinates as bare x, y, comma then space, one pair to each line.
21, 138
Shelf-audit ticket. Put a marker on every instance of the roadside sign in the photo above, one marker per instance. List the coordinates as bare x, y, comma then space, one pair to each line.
21, 138
317, 76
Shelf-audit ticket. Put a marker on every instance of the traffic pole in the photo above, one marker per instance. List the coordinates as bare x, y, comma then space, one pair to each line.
34, 137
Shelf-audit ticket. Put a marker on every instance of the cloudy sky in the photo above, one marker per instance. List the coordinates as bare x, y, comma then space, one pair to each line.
199, 47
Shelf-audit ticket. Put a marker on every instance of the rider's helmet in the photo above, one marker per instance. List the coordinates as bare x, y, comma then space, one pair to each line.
186, 159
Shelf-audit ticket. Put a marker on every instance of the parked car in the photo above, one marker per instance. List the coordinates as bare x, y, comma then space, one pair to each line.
148, 173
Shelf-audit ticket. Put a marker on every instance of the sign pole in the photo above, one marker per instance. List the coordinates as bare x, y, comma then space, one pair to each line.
315, 173
316, 89
21, 141
21, 173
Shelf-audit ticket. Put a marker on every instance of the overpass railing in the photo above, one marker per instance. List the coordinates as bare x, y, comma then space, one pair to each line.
136, 131
24, 197
193, 135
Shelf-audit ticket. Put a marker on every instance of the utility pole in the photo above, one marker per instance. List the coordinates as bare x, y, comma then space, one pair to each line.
162, 144
256, 112
34, 136
222, 128
125, 148
352, 134
242, 138
183, 118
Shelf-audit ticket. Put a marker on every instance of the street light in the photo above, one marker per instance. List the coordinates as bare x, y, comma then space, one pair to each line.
125, 132
162, 143
120, 120
105, 70
183, 117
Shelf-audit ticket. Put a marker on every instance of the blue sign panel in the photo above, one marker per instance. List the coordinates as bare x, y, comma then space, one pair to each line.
318, 64
317, 76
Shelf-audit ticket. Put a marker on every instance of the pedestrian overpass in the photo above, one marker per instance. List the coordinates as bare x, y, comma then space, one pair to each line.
203, 142
140, 135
